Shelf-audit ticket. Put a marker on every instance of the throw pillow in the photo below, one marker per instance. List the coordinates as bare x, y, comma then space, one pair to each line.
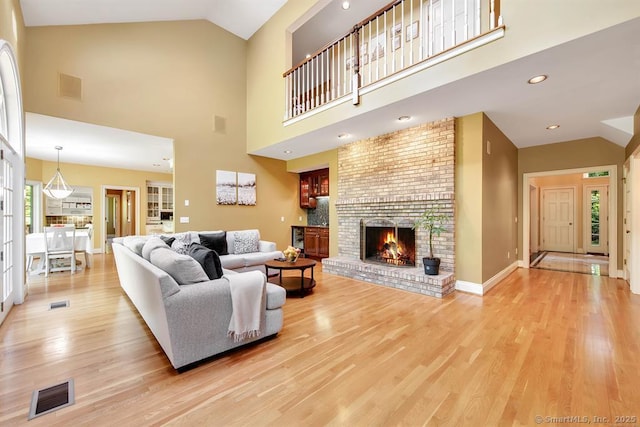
208, 259
168, 239
134, 243
184, 269
246, 241
150, 245
183, 240
215, 241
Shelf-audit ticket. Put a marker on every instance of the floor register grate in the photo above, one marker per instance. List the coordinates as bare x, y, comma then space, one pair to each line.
51, 399
58, 304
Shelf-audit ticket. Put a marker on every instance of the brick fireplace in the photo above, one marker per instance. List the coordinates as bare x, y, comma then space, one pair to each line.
389, 180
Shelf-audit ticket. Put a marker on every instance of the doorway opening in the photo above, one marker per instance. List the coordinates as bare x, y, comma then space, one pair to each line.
121, 213
566, 221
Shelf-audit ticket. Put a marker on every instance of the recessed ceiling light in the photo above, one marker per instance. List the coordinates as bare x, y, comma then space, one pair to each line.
288, 151
343, 135
537, 79
551, 127
404, 118
345, 5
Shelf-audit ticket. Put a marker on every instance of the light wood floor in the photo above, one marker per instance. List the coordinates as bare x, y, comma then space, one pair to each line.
541, 343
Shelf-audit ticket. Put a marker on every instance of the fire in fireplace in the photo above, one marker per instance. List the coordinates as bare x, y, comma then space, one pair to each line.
388, 242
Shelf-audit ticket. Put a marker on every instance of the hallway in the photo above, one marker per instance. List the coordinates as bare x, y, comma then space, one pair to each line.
597, 265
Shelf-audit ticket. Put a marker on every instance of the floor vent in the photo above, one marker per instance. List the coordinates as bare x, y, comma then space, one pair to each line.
51, 399
58, 304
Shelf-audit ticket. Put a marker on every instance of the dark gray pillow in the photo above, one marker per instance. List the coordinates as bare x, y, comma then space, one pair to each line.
168, 240
208, 259
215, 241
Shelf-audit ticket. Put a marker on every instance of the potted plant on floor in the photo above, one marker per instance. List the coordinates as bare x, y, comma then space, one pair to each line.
432, 222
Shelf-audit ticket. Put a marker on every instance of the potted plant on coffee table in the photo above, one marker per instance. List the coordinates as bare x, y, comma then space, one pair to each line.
432, 222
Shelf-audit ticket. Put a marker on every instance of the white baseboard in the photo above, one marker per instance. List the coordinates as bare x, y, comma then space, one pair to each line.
498, 277
481, 289
472, 288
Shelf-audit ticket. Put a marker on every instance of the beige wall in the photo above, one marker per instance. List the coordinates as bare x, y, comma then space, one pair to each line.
468, 198
268, 56
486, 199
583, 153
95, 177
578, 182
635, 141
167, 79
319, 161
499, 200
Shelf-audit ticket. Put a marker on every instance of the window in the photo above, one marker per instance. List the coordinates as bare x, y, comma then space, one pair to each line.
595, 174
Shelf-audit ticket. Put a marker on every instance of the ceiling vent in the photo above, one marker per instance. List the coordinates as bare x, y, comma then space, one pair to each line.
69, 86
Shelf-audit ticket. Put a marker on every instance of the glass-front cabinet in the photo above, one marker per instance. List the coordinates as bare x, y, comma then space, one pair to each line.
159, 201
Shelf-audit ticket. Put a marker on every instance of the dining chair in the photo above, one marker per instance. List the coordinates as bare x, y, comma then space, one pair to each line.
83, 250
59, 244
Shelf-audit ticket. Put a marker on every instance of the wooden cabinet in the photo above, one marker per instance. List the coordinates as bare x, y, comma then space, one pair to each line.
323, 237
313, 184
316, 242
80, 202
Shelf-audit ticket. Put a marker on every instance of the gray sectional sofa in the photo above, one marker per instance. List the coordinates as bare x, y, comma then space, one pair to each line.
190, 320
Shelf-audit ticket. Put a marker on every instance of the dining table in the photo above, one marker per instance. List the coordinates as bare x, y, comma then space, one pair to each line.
35, 248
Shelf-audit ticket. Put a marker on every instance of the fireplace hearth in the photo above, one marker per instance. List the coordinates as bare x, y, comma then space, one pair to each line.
388, 242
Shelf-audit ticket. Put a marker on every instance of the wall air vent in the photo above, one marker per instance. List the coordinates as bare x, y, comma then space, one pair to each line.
69, 86
219, 125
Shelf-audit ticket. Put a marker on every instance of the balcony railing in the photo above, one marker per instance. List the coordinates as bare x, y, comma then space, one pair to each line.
402, 35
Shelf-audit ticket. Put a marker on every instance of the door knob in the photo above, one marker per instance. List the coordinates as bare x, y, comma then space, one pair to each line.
570, 223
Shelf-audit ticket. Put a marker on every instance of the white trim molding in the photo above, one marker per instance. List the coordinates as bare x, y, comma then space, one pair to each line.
481, 289
613, 211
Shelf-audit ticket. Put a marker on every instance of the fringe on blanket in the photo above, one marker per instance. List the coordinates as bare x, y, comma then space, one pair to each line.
243, 336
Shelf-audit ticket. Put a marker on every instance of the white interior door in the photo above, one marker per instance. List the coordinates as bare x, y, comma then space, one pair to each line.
596, 219
558, 219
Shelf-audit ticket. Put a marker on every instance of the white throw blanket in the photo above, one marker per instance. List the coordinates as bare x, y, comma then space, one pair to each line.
247, 295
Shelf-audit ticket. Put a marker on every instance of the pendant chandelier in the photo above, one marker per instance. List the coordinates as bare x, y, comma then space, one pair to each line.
57, 188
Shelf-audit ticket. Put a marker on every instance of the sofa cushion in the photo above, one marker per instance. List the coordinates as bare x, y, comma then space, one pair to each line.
276, 296
208, 259
134, 243
184, 269
216, 241
183, 240
246, 241
232, 261
150, 245
258, 258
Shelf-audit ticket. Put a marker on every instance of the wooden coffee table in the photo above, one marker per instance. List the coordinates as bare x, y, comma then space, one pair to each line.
300, 284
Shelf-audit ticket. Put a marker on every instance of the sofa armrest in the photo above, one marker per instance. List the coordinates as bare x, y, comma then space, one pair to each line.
199, 316
266, 246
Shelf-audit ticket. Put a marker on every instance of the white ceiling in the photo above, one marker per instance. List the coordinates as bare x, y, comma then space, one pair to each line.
593, 87
89, 144
240, 17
